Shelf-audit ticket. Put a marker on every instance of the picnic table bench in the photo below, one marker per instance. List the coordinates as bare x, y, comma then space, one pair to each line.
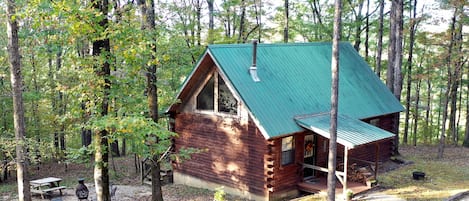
46, 185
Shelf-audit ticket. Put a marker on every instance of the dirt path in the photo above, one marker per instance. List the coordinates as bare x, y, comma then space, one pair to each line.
171, 192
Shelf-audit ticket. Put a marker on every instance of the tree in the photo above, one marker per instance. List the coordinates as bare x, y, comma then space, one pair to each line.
101, 50
211, 23
455, 76
148, 13
379, 49
332, 162
452, 58
466, 134
358, 23
394, 75
18, 117
413, 24
285, 29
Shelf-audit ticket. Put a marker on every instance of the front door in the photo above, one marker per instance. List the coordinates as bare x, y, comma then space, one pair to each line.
310, 155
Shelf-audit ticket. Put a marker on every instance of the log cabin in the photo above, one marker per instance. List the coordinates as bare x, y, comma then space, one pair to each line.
259, 114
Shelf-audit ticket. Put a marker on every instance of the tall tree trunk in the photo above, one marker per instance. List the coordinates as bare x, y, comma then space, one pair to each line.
124, 147
367, 31
259, 21
428, 121
211, 23
416, 112
317, 19
82, 49
466, 134
54, 102
447, 93
85, 133
115, 148
35, 106
379, 48
441, 145
460, 107
198, 13
391, 48
101, 49
413, 23
332, 161
3, 108
14, 56
285, 29
394, 76
358, 24
242, 28
62, 103
148, 10
456, 74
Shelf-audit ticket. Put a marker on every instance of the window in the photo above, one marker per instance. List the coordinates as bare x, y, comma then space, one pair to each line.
226, 101
375, 122
206, 96
223, 101
288, 150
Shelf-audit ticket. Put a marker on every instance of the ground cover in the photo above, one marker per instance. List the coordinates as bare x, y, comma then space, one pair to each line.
444, 178
123, 176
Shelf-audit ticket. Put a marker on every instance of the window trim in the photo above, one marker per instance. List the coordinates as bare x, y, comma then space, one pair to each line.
216, 75
292, 150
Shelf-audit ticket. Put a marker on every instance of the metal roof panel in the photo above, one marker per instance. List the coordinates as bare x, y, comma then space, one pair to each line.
296, 79
350, 132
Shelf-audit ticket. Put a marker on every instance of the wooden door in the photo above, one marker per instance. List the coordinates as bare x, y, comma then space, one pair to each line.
310, 154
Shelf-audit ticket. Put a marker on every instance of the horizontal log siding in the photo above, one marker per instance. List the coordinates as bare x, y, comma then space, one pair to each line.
232, 155
365, 152
286, 177
368, 152
386, 122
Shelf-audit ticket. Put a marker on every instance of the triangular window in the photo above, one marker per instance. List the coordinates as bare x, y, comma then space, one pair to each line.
226, 101
206, 96
216, 96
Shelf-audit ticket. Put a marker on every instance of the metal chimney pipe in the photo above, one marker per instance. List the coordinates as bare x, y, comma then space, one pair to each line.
253, 68
254, 52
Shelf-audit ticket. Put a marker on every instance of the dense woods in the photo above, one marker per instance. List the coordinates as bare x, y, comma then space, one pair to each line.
100, 73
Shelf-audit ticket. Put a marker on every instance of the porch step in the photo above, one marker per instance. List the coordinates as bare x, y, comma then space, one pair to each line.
307, 187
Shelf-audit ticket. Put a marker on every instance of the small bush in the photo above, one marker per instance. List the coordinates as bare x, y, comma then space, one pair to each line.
219, 194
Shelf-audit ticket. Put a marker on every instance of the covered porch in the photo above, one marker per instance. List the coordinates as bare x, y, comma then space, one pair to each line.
320, 186
352, 134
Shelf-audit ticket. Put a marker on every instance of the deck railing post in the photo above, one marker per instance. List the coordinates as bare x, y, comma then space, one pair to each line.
344, 185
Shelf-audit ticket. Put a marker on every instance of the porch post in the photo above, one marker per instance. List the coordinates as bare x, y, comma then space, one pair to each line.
344, 185
376, 161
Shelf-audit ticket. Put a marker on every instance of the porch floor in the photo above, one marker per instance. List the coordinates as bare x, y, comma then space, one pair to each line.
319, 185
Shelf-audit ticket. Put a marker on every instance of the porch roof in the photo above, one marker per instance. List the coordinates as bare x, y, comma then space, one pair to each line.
350, 132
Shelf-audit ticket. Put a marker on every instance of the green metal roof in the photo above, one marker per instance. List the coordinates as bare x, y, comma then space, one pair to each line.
296, 80
350, 132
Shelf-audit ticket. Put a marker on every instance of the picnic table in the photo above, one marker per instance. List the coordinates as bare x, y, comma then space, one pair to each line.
46, 185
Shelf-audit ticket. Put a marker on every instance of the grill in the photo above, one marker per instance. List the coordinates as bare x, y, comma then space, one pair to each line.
81, 191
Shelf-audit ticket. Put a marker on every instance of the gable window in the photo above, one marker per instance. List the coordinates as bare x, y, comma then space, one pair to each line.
375, 122
288, 150
226, 101
205, 99
216, 96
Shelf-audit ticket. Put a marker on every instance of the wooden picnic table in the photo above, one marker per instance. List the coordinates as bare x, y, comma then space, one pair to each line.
46, 185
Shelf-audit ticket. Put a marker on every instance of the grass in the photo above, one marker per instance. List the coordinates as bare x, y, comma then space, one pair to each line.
444, 178
6, 188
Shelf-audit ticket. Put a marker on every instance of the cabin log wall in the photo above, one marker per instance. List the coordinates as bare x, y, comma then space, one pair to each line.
233, 155
286, 177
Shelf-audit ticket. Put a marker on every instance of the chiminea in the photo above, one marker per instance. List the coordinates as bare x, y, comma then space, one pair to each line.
81, 191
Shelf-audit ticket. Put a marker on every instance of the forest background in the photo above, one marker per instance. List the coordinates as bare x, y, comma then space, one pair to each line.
64, 91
